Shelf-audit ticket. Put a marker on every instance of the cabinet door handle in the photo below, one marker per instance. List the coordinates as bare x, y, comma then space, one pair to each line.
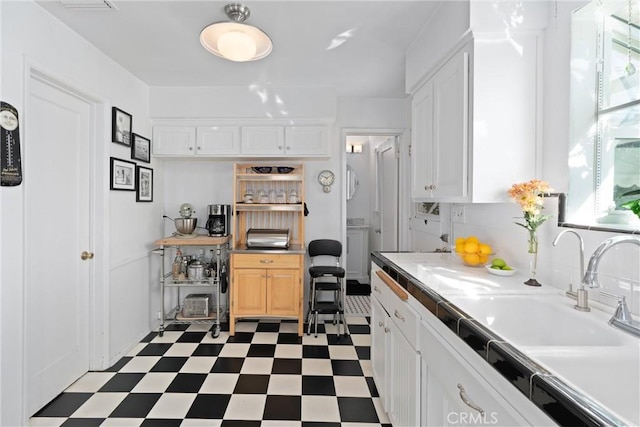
375, 288
398, 315
266, 261
381, 324
470, 404
288, 148
199, 148
386, 330
86, 255
190, 148
279, 147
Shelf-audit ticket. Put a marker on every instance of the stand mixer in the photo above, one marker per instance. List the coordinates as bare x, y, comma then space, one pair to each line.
185, 225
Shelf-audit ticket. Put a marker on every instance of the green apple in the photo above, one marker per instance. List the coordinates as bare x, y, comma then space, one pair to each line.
498, 262
506, 267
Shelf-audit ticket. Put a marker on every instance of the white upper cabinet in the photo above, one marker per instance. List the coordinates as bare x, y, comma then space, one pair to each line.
192, 138
217, 140
476, 120
440, 134
292, 141
306, 141
263, 140
189, 141
174, 141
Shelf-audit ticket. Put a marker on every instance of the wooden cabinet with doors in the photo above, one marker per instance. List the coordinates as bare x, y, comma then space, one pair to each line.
267, 283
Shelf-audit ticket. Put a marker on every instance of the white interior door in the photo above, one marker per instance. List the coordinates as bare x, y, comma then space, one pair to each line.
57, 211
388, 193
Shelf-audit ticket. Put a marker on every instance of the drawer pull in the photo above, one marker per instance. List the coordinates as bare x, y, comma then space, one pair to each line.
266, 261
381, 324
393, 285
375, 288
470, 404
386, 330
398, 315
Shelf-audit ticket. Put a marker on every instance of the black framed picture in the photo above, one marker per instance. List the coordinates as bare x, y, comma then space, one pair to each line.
144, 184
141, 148
121, 127
122, 175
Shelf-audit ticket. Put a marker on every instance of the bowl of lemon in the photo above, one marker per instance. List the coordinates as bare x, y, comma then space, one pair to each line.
472, 252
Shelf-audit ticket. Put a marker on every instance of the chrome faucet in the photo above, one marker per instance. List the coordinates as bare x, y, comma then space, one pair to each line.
555, 242
621, 319
590, 278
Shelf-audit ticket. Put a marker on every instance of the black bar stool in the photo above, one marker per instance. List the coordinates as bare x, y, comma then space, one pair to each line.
326, 248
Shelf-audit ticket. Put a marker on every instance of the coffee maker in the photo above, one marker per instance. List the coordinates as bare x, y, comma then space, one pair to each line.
219, 221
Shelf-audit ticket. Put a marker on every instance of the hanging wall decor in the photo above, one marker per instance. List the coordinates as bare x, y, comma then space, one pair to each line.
144, 184
122, 175
121, 123
10, 163
141, 148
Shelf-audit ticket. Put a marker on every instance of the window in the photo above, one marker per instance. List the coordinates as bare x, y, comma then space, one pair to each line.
604, 157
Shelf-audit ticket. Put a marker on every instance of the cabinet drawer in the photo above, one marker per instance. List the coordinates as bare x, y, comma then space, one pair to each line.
455, 385
378, 289
265, 261
406, 318
395, 301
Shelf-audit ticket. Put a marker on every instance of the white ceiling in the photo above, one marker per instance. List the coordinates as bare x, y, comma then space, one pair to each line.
158, 41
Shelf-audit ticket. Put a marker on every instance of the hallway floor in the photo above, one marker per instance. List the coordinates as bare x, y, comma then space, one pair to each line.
263, 376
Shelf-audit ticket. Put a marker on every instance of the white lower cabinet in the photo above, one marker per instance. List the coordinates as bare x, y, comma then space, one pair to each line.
358, 254
403, 380
379, 347
427, 376
454, 393
395, 359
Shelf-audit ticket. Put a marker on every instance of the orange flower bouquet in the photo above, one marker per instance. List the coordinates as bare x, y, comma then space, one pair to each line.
529, 195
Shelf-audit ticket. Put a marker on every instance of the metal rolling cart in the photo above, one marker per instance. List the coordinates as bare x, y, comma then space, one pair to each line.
173, 316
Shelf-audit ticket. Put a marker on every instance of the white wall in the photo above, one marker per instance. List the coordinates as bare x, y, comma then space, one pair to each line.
439, 35
123, 259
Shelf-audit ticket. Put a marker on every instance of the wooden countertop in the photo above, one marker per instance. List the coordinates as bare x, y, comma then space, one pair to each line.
199, 240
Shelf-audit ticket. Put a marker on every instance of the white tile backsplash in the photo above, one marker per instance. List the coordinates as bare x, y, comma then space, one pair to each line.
619, 269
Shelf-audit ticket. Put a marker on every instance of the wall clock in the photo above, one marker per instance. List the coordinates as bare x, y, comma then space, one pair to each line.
326, 179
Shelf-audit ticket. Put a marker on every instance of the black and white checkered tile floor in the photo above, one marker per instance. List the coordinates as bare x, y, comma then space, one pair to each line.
265, 375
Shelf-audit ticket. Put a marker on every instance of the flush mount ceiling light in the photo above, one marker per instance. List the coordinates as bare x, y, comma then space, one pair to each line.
234, 40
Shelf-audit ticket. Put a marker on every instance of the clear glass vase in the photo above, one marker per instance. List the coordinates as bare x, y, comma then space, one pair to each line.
533, 259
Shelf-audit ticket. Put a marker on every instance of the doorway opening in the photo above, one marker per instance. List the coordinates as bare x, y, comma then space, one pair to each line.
372, 208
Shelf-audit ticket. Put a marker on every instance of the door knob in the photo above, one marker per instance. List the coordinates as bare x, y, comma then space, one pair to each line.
378, 230
86, 255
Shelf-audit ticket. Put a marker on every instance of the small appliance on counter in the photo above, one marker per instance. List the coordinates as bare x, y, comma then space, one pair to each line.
267, 238
185, 225
219, 221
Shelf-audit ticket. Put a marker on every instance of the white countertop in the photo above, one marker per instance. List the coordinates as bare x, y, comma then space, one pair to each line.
596, 359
